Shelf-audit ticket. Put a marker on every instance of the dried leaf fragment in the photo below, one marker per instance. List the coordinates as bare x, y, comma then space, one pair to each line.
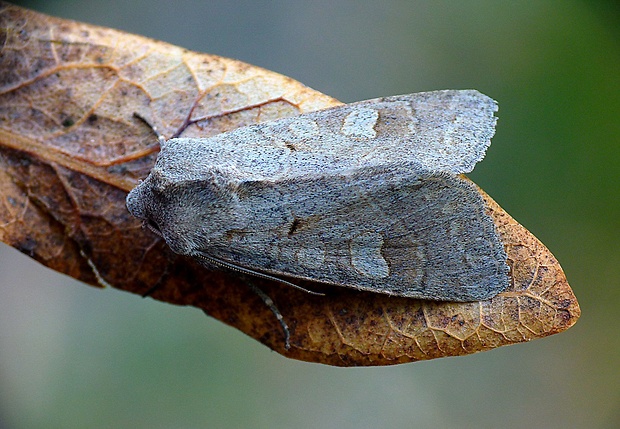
71, 148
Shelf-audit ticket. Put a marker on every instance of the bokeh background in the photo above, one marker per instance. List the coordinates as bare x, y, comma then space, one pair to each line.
72, 356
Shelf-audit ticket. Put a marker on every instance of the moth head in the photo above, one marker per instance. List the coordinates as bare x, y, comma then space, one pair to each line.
136, 201
145, 202
190, 214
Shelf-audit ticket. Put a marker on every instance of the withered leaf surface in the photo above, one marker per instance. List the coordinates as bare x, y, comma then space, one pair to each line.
71, 148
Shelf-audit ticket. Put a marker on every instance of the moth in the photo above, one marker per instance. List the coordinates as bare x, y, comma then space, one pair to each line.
368, 196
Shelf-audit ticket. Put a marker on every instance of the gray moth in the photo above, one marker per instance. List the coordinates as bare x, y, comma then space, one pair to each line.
367, 196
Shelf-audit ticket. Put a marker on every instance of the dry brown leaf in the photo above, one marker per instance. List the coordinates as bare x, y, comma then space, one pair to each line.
71, 148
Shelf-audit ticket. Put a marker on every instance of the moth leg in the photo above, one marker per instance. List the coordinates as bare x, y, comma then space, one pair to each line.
271, 305
210, 260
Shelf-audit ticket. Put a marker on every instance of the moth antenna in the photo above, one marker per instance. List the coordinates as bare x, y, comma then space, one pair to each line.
272, 306
160, 138
223, 264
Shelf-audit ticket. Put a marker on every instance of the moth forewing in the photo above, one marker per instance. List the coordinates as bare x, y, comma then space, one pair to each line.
391, 230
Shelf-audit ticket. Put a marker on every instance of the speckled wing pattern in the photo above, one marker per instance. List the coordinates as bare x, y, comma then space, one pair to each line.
366, 195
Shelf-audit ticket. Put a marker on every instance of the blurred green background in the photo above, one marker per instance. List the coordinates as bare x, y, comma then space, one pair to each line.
72, 356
